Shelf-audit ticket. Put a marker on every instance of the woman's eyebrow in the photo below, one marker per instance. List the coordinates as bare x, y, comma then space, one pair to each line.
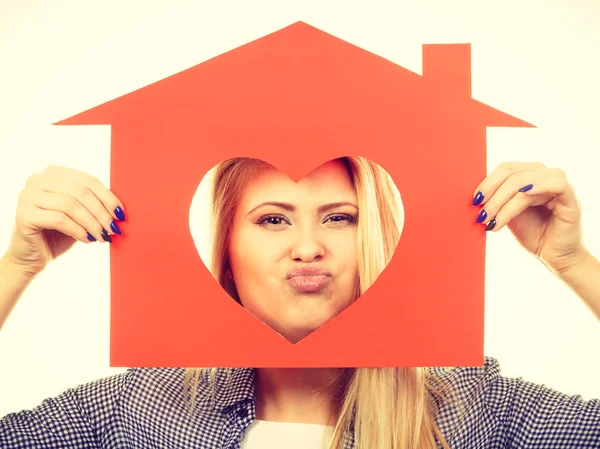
292, 208
326, 207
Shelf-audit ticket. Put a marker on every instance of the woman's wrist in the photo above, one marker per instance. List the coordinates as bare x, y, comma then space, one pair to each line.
584, 279
13, 282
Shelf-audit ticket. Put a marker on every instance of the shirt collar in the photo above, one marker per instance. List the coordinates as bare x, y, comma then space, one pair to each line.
233, 385
236, 385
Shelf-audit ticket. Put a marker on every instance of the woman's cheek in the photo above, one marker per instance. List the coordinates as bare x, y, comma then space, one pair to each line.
346, 246
261, 261
274, 247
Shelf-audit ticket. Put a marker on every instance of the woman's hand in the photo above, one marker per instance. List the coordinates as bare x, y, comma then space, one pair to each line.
539, 207
56, 208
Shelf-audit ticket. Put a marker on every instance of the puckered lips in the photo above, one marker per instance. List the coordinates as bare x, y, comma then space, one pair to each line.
308, 278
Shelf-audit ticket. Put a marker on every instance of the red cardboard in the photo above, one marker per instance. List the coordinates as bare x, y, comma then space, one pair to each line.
298, 98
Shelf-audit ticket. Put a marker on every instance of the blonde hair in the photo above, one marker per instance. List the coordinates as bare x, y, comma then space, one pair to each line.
387, 408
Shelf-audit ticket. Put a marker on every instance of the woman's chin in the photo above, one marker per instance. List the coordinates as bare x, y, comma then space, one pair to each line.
295, 337
294, 332
295, 323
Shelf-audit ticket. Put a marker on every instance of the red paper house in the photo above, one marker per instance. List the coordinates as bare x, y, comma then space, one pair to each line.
298, 98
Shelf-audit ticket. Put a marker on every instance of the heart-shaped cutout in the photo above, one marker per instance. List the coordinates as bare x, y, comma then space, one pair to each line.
295, 255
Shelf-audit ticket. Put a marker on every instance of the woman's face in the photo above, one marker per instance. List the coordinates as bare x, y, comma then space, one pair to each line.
292, 248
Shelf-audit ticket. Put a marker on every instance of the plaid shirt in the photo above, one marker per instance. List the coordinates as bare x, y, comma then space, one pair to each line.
145, 408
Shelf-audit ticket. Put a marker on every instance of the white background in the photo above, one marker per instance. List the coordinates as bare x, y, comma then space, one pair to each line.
536, 60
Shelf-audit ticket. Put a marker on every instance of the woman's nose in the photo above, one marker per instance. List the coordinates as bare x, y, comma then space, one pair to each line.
307, 246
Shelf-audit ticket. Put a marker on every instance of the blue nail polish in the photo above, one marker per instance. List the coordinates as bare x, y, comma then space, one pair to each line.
90, 237
482, 216
119, 213
526, 188
491, 225
105, 236
115, 227
478, 199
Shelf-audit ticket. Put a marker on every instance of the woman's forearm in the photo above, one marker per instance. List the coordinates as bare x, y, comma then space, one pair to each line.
13, 283
584, 280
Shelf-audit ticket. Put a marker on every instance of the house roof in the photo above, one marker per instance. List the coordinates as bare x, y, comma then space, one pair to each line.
297, 76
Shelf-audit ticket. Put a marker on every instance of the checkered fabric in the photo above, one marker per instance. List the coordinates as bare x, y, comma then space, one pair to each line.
145, 408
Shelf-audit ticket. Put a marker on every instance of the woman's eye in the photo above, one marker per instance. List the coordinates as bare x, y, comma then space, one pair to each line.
271, 220
279, 220
341, 219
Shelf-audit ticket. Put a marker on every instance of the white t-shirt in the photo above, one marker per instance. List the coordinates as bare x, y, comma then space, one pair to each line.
276, 435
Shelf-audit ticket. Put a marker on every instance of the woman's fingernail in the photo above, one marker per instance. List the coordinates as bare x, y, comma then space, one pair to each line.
526, 188
119, 213
114, 227
90, 237
105, 236
482, 216
478, 198
491, 225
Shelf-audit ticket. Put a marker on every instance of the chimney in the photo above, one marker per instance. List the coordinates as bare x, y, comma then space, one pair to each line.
448, 64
